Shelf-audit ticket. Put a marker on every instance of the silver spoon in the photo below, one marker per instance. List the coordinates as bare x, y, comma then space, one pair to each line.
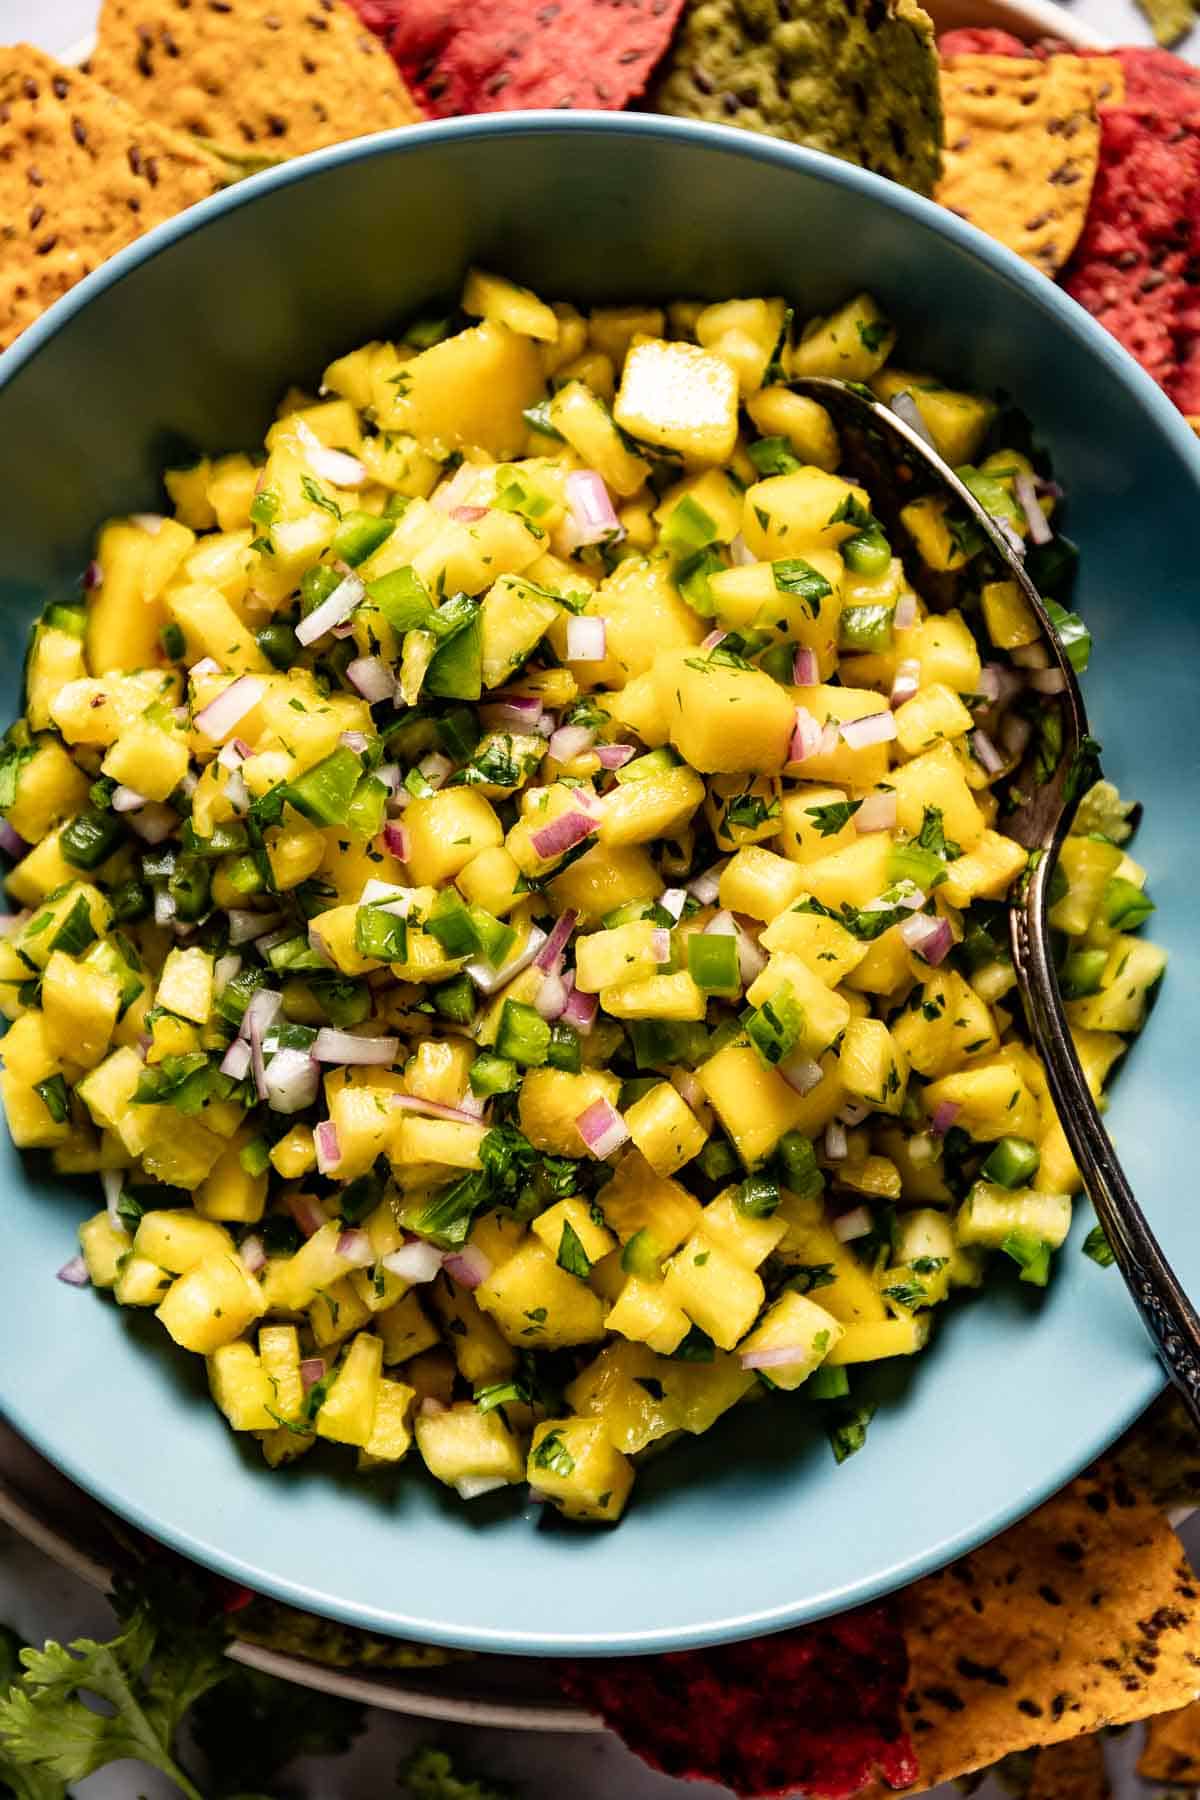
881, 449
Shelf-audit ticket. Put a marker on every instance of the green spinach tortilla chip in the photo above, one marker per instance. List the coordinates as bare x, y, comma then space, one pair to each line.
859, 82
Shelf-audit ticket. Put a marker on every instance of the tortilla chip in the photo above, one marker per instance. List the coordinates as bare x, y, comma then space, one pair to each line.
472, 56
1083, 1615
1171, 1752
1161, 1454
273, 76
859, 82
1070, 1771
81, 175
816, 1709
1023, 146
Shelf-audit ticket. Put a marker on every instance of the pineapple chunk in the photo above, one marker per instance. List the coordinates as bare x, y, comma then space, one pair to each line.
754, 1104
537, 1305
469, 1450
140, 1282
480, 1352
681, 397
852, 343
886, 1337
178, 1240
551, 1101
391, 1432
665, 1129
628, 1388
405, 1330
104, 1245
149, 759
933, 714
724, 720
229, 1191
487, 296
799, 1327
80, 1004
643, 1313
874, 1068
186, 984
212, 1304
989, 1214
447, 829
347, 1413
575, 1464
748, 1239
716, 1290
638, 1199
241, 1387
992, 1100
550, 1226
758, 882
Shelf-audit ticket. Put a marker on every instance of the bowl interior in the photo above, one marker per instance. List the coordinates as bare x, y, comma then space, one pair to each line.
192, 336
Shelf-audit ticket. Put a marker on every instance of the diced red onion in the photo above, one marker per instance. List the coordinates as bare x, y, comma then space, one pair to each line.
836, 1147
389, 774
943, 1117
930, 939
354, 1245
468, 515
337, 466
353, 740
468, 1266
237, 793
580, 1009
853, 1113
252, 1253
986, 753
1027, 499
489, 980
473, 1487
673, 901
262, 1010
430, 1406
877, 813
399, 899
345, 1047
208, 665
740, 552
921, 1150
153, 822
570, 741
245, 926
688, 1089
433, 1109
436, 768
164, 907
127, 799
1031, 656
312, 1370
233, 754
751, 960
113, 1183
706, 887
806, 736
93, 577
395, 837
660, 944
457, 489
713, 639
517, 709
225, 969
236, 1061
340, 604
1048, 681
218, 718
775, 1356
805, 669
329, 1151
602, 1129
308, 1213
905, 615
1015, 733
591, 515
372, 678
551, 998
416, 1262
472, 1105
988, 685
587, 638
149, 521
801, 1073
562, 834
906, 680
293, 1078
615, 756
549, 957
547, 725
10, 841
906, 408
873, 728
857, 1223
1009, 533
722, 924
74, 1273
344, 630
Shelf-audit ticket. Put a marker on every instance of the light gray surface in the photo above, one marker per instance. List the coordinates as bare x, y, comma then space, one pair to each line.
40, 1600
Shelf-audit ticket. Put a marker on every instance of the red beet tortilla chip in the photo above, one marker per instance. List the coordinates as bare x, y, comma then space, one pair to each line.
817, 1709
981, 40
1163, 80
1130, 269
476, 56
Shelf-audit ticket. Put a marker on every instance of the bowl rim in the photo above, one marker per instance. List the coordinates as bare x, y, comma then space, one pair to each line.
1047, 300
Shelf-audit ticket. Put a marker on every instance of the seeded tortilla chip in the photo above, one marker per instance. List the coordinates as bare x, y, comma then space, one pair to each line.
1161, 1455
81, 175
859, 82
1070, 1771
1084, 1615
270, 77
1023, 146
1171, 1752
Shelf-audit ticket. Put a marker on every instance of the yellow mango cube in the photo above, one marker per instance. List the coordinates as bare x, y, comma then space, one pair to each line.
754, 1104
665, 1129
212, 1304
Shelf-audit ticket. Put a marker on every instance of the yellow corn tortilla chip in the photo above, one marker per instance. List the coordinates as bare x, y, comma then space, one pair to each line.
1022, 148
81, 175
1172, 1749
274, 77
1071, 1771
1086, 1614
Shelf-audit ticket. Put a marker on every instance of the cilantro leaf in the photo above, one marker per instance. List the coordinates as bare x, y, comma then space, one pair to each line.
571, 1254
318, 497
429, 1775
795, 576
13, 758
851, 511
830, 819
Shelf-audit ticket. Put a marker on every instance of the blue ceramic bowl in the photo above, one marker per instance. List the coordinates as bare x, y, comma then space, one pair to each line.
193, 334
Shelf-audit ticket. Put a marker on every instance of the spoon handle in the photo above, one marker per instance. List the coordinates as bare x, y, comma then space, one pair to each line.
1165, 1310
